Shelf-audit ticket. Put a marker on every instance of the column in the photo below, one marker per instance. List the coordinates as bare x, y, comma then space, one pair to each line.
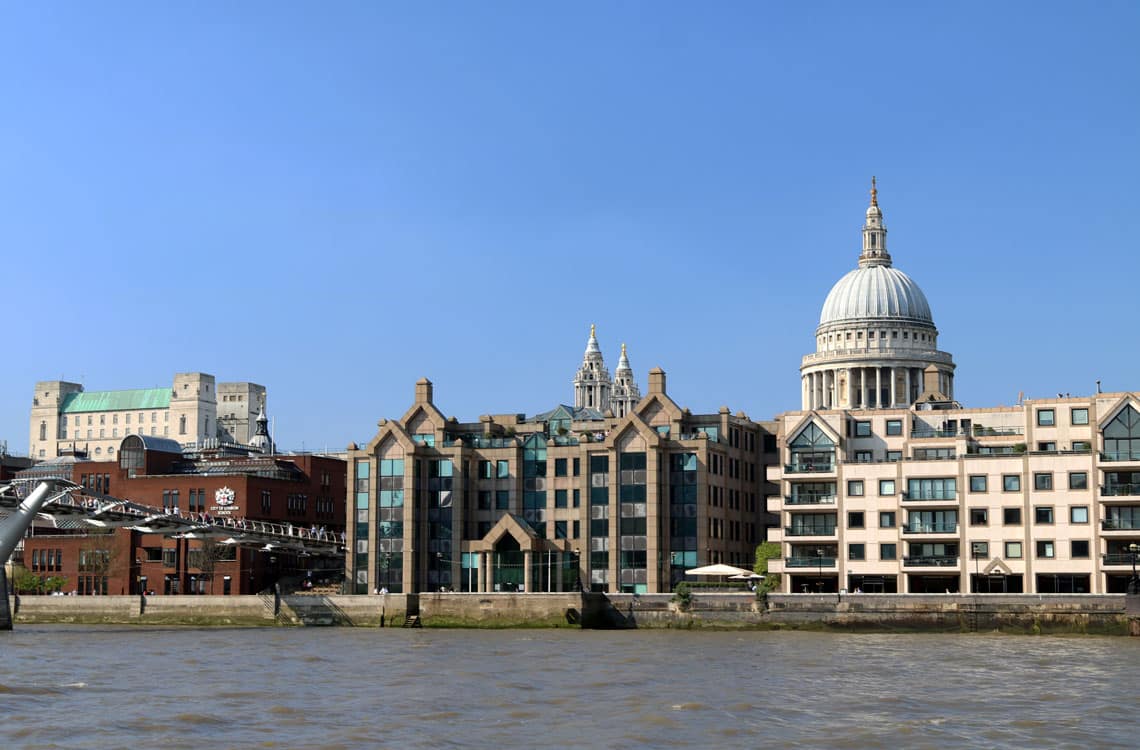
878, 387
894, 389
528, 578
561, 558
908, 387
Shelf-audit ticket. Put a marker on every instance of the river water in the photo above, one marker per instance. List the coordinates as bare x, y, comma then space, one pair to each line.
126, 687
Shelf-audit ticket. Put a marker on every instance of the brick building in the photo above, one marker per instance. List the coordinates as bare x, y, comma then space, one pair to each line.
302, 490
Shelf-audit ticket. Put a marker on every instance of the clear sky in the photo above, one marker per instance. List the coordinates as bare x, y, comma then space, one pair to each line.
336, 199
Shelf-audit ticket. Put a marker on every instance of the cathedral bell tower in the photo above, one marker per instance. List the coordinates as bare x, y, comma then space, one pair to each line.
592, 384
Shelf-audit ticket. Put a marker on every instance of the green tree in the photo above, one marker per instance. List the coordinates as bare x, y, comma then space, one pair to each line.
766, 551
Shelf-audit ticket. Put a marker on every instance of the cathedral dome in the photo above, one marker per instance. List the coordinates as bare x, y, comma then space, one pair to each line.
876, 292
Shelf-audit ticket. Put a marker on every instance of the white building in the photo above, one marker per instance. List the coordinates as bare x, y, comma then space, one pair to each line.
887, 484
65, 418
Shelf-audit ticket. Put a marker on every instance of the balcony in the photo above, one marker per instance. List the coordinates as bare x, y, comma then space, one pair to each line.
809, 467
809, 562
1120, 456
930, 561
930, 528
1120, 524
1117, 558
909, 498
928, 432
809, 531
809, 499
1119, 490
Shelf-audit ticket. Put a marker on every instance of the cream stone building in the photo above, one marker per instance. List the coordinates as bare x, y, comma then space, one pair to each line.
66, 419
572, 497
889, 485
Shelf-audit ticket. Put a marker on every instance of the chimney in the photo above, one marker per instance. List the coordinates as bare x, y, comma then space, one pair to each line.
423, 391
930, 377
657, 380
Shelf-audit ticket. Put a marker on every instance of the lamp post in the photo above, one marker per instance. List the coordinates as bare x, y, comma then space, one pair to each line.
1134, 583
387, 564
578, 568
976, 551
819, 559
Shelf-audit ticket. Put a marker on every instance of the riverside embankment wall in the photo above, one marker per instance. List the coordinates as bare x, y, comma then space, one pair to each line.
918, 612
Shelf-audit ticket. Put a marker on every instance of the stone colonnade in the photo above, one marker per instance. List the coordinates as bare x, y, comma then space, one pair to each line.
863, 387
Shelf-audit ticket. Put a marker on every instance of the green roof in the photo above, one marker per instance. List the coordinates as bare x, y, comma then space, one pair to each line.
138, 398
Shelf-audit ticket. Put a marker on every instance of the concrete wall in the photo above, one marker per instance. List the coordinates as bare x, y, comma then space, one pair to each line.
1030, 613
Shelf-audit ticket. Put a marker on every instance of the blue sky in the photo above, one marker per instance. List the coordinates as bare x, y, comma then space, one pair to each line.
336, 199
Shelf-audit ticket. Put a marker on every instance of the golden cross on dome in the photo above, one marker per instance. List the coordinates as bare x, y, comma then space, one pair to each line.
874, 192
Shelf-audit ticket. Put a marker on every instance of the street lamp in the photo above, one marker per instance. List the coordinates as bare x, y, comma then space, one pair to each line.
976, 551
1134, 584
578, 568
819, 559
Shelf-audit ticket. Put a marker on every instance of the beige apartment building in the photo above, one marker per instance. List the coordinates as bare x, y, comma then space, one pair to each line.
887, 484
67, 419
575, 497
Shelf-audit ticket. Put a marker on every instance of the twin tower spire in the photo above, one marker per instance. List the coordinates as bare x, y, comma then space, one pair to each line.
593, 388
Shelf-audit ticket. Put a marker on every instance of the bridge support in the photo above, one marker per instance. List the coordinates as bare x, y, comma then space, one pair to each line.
5, 603
12, 530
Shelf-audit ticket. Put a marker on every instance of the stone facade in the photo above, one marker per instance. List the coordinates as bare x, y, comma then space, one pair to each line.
194, 409
1043, 497
572, 499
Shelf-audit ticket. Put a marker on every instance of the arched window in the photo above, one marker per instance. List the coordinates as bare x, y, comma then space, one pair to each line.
1122, 436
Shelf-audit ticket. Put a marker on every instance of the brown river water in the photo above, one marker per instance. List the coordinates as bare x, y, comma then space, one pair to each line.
124, 687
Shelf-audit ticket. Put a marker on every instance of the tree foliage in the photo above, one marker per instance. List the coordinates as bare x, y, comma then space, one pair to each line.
766, 551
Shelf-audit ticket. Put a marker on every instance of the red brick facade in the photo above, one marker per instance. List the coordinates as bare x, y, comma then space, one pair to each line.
305, 491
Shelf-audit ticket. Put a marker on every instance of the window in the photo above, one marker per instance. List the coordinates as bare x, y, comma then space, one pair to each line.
1013, 550
1045, 418
1078, 480
886, 486
1043, 514
979, 517
502, 500
1043, 480
862, 429
1079, 549
1011, 483
1045, 549
888, 551
1079, 416
978, 483
886, 519
979, 550
560, 467
1079, 514
855, 552
485, 470
932, 489
577, 466
1081, 446
560, 498
863, 457
503, 469
894, 426
577, 498
1047, 446
855, 519
559, 529
1011, 516
484, 499
855, 488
